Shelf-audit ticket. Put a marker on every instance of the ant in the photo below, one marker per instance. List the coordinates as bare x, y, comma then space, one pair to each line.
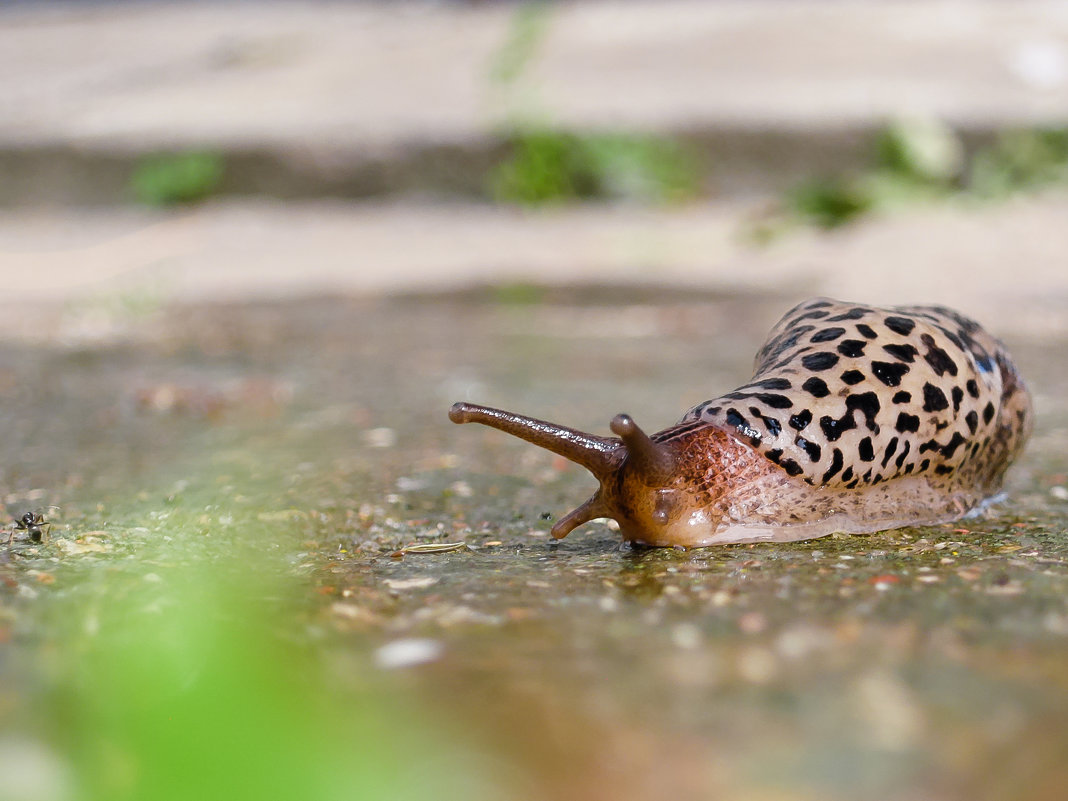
32, 522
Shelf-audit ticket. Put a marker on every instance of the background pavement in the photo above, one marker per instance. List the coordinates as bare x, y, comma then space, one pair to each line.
400, 106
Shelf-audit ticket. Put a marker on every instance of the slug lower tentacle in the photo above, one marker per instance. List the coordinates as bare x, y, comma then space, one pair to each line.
856, 419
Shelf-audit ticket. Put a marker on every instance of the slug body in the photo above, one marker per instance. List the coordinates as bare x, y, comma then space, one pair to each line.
856, 419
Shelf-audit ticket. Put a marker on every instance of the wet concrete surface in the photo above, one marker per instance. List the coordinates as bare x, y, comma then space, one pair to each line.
917, 663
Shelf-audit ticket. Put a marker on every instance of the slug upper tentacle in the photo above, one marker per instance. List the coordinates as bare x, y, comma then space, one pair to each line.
856, 419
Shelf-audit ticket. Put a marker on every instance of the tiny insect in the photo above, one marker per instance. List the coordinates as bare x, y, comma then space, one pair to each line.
34, 523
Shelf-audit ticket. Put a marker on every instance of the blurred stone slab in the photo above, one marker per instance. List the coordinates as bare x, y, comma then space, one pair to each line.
1000, 261
369, 98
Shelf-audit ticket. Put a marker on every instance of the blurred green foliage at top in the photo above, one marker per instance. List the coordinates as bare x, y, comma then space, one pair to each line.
168, 179
550, 165
922, 160
529, 25
553, 166
1021, 160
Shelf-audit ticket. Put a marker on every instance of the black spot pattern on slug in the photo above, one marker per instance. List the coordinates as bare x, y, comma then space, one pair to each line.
934, 399
855, 313
827, 335
774, 401
834, 428
866, 331
824, 360
772, 425
917, 388
903, 455
903, 353
868, 404
900, 325
907, 423
791, 467
951, 447
852, 377
811, 448
772, 383
890, 373
938, 358
836, 465
851, 348
816, 387
891, 448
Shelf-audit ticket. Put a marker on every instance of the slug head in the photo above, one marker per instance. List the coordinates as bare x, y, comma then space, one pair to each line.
642, 486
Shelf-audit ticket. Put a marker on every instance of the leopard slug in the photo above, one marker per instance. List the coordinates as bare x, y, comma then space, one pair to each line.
856, 419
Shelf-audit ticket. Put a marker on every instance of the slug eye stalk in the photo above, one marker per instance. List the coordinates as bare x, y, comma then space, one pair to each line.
605, 457
600, 455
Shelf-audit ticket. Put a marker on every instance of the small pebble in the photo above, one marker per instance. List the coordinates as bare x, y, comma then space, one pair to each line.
462, 489
412, 583
752, 623
408, 653
721, 598
686, 636
884, 582
757, 665
380, 438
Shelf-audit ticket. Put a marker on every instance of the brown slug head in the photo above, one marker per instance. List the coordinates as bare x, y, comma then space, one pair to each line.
642, 487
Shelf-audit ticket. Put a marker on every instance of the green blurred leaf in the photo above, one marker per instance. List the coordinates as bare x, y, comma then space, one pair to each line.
177, 178
924, 149
829, 203
1021, 161
530, 22
548, 166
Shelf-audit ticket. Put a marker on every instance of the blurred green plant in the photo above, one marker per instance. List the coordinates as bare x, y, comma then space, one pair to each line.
529, 24
924, 151
191, 662
828, 203
914, 160
518, 294
168, 179
1021, 161
920, 161
548, 166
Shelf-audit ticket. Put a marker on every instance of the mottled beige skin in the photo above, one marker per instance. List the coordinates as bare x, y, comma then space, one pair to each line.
857, 419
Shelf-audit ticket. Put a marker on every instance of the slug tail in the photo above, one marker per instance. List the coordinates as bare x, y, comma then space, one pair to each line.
600, 455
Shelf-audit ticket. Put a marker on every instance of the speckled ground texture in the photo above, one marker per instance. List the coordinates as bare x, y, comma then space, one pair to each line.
169, 380
917, 663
